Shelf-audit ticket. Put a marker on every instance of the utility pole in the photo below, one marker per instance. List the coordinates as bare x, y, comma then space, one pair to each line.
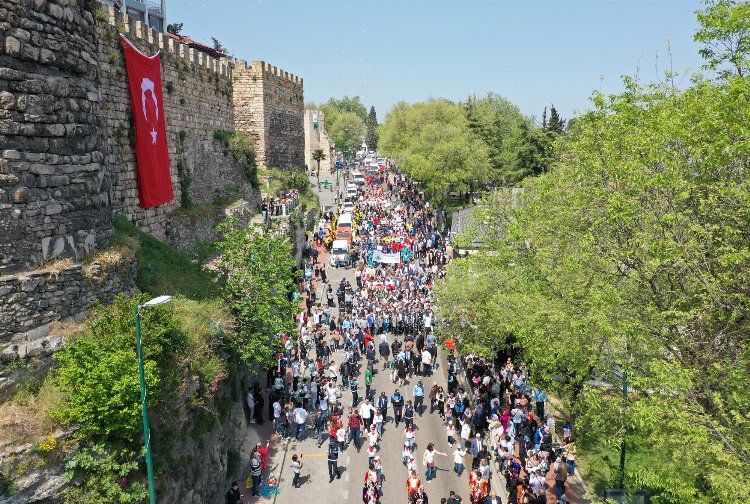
625, 428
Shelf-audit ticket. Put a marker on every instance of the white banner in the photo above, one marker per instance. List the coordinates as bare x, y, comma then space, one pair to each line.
378, 256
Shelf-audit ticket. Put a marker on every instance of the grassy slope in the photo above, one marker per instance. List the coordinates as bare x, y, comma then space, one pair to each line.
164, 270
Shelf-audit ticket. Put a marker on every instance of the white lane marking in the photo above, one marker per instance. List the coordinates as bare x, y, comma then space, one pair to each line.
346, 494
348, 460
346, 476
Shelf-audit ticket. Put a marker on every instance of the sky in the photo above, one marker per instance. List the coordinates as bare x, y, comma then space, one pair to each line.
533, 52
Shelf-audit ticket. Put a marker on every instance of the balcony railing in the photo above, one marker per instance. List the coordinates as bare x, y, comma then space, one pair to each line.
154, 7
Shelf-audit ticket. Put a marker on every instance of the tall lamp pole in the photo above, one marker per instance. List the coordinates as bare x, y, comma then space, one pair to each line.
144, 399
622, 445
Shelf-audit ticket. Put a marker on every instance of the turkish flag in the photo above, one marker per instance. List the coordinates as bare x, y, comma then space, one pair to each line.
144, 77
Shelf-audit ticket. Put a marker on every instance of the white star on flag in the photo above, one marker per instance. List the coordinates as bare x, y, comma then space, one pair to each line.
153, 137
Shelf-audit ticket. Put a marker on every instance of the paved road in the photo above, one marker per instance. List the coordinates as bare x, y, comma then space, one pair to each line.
315, 482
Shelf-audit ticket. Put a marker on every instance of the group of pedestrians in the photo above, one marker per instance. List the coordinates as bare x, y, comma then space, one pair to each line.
385, 320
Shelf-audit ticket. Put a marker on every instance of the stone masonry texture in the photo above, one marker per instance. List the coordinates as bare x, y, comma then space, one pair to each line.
67, 160
269, 105
54, 191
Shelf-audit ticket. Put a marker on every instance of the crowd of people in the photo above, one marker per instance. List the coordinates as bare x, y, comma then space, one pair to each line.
385, 319
283, 204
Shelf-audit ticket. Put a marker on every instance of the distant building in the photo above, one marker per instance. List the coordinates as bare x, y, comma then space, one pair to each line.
151, 12
183, 39
462, 221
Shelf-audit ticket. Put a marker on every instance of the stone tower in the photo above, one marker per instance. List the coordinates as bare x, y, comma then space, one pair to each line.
54, 193
269, 106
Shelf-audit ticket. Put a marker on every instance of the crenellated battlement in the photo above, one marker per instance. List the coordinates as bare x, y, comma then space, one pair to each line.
137, 30
266, 70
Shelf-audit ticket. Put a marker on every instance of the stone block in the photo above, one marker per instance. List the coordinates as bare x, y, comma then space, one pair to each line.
29, 53
29, 284
55, 11
12, 46
53, 208
20, 195
7, 100
42, 169
8, 180
20, 34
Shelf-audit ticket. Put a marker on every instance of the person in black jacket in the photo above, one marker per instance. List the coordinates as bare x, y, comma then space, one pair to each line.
233, 495
385, 352
333, 457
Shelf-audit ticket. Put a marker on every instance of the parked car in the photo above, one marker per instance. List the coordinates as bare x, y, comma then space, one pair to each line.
347, 207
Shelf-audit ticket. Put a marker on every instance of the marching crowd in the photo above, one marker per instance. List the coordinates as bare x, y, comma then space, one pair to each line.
385, 320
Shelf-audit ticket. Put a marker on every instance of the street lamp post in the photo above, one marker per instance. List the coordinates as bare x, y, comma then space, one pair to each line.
144, 401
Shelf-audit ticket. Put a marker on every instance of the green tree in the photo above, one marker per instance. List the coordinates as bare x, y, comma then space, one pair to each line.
174, 28
318, 155
258, 271
347, 130
534, 154
346, 104
432, 142
371, 139
556, 124
725, 35
218, 45
497, 122
631, 256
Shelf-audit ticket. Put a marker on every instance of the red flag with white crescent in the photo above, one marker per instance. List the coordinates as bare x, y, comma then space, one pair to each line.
152, 156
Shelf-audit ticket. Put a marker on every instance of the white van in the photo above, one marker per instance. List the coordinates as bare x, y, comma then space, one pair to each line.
345, 221
340, 253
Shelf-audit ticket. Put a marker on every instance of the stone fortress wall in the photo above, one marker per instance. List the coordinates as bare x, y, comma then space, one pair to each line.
54, 188
197, 96
317, 138
67, 160
269, 104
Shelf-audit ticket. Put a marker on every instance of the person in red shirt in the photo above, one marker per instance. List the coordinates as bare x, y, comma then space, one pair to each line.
263, 454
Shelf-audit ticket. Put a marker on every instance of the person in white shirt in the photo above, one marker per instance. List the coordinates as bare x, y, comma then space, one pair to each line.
378, 421
251, 405
372, 436
465, 432
458, 460
367, 411
331, 393
428, 459
277, 416
411, 465
451, 431
300, 418
426, 362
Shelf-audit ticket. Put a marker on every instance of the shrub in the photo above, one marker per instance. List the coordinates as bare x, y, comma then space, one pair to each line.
105, 475
98, 371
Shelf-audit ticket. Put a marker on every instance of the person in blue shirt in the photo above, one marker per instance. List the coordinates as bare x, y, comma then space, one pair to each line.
397, 401
419, 397
540, 398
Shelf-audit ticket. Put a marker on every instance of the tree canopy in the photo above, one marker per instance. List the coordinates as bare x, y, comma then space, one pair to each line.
371, 139
631, 255
257, 268
500, 125
432, 142
346, 122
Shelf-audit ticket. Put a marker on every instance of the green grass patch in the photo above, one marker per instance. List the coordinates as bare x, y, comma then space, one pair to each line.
164, 270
